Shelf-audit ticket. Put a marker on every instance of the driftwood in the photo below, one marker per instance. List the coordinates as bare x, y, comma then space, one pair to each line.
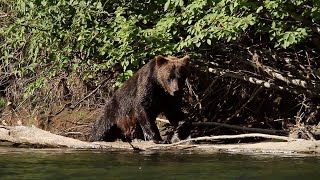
35, 137
256, 130
25, 136
246, 129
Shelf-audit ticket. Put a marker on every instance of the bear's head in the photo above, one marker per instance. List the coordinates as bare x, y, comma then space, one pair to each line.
171, 72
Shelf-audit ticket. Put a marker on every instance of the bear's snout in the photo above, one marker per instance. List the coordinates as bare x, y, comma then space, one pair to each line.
174, 88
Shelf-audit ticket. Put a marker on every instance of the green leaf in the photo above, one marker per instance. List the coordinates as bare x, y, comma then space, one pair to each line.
285, 44
35, 54
229, 38
235, 4
44, 3
292, 39
99, 5
231, 7
181, 3
31, 5
166, 5
273, 25
209, 41
259, 9
81, 47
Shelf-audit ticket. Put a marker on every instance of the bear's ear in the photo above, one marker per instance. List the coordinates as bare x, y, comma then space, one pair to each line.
185, 59
160, 60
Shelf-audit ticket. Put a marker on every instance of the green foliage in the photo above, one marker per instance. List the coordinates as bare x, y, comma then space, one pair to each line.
286, 29
2, 102
44, 38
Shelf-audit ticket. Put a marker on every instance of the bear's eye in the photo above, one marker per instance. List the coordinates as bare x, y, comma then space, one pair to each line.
171, 77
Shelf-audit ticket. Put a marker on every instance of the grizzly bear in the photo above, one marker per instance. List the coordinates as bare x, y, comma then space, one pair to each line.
131, 112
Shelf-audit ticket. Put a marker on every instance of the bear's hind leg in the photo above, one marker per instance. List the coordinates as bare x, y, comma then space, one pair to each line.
103, 130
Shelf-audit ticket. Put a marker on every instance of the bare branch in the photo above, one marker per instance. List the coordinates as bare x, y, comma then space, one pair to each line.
263, 83
3, 15
256, 130
212, 138
276, 74
245, 104
91, 93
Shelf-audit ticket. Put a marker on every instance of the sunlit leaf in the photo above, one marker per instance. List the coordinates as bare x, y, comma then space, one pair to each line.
166, 5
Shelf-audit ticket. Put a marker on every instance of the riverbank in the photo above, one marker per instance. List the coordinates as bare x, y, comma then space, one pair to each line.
31, 136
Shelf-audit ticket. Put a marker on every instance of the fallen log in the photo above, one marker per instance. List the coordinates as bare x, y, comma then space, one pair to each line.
245, 129
35, 137
255, 130
31, 136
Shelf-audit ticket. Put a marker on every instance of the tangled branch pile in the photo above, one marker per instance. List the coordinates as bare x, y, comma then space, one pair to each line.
255, 62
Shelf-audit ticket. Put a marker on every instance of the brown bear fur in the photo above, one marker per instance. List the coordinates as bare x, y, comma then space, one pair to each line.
131, 112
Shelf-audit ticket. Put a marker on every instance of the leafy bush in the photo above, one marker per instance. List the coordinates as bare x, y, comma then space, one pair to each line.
42, 39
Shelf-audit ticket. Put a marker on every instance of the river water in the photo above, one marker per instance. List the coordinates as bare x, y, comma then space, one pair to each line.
17, 163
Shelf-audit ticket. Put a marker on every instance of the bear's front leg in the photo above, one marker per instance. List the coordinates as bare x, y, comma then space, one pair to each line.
149, 128
173, 111
182, 126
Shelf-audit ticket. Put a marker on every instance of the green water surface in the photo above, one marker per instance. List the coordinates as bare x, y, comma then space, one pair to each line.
66, 164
